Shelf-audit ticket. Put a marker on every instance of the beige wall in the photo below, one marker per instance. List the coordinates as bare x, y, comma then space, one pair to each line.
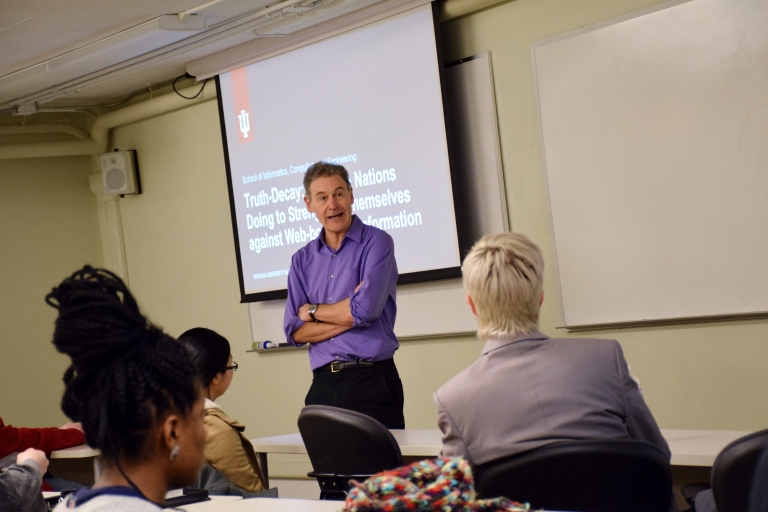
48, 229
182, 269
706, 376
181, 258
181, 261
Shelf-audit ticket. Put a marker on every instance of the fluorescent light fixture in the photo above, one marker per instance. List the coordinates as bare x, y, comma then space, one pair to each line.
130, 43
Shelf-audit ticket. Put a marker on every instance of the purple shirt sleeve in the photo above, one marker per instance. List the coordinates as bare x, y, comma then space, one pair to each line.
297, 297
379, 272
322, 275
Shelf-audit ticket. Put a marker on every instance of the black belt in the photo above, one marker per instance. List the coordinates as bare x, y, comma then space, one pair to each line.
340, 366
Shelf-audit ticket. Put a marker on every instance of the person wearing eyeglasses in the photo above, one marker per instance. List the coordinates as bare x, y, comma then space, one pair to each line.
226, 448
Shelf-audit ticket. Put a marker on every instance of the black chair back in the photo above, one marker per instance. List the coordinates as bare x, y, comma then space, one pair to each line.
758, 497
733, 471
595, 476
344, 445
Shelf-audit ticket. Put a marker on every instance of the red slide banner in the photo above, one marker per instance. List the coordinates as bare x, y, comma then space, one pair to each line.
242, 104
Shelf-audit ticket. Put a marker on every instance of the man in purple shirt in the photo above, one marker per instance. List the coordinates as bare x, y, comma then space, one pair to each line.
341, 300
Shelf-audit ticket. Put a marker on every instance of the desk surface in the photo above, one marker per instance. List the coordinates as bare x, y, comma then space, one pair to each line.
76, 452
413, 443
236, 504
698, 447
689, 447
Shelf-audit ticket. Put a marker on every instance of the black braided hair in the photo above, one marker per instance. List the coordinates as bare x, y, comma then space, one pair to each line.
125, 372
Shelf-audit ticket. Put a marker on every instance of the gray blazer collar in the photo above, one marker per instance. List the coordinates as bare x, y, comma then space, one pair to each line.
495, 343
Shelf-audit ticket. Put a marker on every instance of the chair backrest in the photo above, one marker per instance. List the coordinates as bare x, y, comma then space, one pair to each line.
346, 442
733, 470
758, 497
596, 476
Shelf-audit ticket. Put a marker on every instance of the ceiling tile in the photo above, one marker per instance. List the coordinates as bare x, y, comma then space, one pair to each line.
21, 11
33, 3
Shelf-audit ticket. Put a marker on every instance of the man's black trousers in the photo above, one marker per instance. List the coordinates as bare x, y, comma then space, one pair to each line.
375, 391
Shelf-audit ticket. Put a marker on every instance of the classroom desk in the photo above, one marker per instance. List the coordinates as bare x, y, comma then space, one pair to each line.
220, 503
76, 452
698, 447
213, 504
79, 464
689, 447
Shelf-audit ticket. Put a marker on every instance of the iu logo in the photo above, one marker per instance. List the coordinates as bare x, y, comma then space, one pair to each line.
242, 102
245, 124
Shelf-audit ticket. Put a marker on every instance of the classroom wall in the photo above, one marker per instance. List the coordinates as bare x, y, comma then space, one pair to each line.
181, 261
49, 228
704, 376
182, 269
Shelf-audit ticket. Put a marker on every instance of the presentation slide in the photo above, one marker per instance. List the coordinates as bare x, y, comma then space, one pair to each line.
369, 100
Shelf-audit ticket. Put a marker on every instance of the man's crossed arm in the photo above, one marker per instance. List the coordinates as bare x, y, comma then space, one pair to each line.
333, 319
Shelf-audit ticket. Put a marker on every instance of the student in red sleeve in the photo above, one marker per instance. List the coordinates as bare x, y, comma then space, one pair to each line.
14, 439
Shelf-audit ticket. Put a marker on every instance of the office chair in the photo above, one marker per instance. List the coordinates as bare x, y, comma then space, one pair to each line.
345, 445
758, 496
596, 476
733, 471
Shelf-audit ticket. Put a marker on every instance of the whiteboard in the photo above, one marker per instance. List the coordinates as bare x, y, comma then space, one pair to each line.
654, 132
438, 308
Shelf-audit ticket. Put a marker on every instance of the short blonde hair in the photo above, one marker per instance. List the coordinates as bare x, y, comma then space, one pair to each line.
503, 275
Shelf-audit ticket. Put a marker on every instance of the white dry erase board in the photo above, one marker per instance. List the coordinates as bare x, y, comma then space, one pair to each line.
654, 131
437, 308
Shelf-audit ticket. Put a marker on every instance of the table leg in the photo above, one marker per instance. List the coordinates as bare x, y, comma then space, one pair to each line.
682, 475
96, 468
261, 458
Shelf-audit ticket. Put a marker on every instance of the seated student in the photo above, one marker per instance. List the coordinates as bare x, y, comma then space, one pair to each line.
20, 483
133, 389
226, 448
15, 439
527, 389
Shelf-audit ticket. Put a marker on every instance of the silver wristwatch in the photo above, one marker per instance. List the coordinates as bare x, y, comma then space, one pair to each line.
312, 309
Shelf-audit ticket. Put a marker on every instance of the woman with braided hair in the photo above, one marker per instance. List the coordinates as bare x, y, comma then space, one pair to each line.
133, 389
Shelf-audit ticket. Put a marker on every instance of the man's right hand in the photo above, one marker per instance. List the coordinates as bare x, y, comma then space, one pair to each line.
35, 455
76, 426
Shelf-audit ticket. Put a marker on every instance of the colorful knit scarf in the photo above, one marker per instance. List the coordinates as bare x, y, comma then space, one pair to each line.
443, 485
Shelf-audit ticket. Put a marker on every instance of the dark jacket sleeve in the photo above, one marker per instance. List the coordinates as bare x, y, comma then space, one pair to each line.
640, 422
20, 488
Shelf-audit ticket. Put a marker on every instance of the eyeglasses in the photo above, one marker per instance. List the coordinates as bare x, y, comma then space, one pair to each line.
233, 367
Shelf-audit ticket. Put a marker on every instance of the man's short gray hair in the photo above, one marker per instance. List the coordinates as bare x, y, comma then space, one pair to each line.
503, 275
320, 169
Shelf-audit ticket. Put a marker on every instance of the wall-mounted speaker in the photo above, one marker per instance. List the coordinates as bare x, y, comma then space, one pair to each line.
119, 172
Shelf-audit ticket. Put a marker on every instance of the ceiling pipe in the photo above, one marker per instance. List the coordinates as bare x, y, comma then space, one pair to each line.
99, 138
23, 129
183, 15
227, 29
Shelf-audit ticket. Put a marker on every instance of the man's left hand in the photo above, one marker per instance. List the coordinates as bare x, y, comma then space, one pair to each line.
304, 314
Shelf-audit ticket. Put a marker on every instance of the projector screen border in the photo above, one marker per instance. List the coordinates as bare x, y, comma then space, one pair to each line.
407, 278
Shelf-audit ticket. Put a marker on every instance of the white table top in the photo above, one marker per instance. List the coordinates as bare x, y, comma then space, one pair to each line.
413, 443
698, 447
237, 504
689, 447
76, 452
215, 503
